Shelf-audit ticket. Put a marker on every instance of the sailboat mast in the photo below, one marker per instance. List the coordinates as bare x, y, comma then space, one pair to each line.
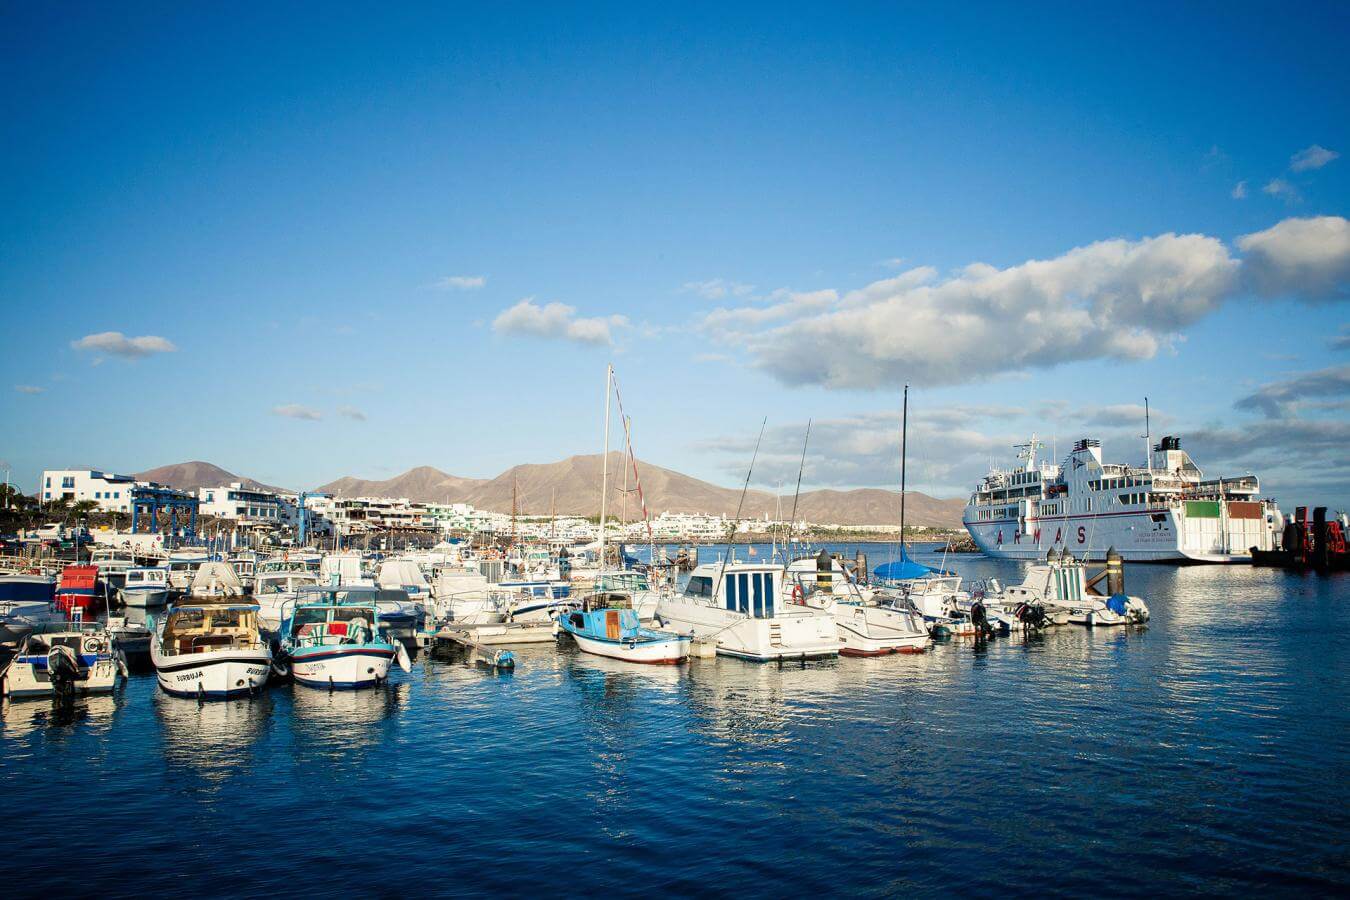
904, 453
1148, 440
604, 466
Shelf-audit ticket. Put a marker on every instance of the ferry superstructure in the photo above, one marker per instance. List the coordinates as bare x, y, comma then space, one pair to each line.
1163, 511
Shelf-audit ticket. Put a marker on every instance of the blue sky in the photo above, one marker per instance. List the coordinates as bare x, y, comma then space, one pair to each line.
334, 216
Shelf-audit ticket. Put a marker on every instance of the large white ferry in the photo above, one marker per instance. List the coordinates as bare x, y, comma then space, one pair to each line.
1162, 511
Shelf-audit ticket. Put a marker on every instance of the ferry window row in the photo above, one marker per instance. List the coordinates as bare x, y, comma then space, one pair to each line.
1115, 484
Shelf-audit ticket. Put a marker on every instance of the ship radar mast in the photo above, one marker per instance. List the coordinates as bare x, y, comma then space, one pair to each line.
1027, 452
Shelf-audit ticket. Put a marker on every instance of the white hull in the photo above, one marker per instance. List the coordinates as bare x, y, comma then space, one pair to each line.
347, 670
876, 631
805, 635
674, 650
1135, 536
25, 680
143, 599
212, 675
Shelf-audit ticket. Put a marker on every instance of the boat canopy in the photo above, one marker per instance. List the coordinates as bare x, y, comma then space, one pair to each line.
905, 569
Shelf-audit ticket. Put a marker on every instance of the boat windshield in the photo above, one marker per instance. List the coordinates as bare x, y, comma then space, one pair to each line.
624, 581
324, 624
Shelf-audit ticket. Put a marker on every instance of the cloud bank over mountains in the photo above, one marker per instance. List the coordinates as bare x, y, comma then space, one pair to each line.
1115, 299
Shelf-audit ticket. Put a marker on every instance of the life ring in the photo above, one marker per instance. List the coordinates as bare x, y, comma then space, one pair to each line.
798, 595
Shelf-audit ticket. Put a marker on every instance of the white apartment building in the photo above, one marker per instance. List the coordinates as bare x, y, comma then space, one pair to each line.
111, 492
242, 504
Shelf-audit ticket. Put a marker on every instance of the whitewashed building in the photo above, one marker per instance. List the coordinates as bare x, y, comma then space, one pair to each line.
111, 492
242, 504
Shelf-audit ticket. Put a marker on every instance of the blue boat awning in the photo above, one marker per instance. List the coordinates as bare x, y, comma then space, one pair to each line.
904, 569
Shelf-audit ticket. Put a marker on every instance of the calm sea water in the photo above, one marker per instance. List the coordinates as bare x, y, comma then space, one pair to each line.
1209, 752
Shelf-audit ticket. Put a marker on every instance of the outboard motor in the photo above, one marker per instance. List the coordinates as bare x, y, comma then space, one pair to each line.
980, 619
62, 668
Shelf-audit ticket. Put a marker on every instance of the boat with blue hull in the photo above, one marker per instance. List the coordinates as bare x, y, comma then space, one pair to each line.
333, 639
608, 625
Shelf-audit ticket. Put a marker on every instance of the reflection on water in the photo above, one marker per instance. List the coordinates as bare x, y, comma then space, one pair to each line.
213, 740
1207, 751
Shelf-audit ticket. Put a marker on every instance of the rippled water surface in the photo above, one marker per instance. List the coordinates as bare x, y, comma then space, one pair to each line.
1207, 752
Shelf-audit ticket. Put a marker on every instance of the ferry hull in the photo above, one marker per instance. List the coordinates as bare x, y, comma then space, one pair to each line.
1137, 538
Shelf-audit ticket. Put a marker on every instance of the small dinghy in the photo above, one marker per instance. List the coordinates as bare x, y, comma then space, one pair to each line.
334, 639
607, 625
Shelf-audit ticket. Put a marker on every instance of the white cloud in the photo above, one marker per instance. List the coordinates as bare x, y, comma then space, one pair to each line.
1118, 299
717, 289
1240, 191
1115, 299
1122, 415
1278, 187
461, 282
1281, 399
1306, 257
118, 344
1314, 157
296, 411
556, 320
351, 412
28, 389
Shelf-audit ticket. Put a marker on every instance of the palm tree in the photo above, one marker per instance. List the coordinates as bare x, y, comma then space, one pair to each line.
83, 509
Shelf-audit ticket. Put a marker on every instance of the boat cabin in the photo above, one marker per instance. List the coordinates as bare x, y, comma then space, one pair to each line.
149, 578
323, 624
751, 589
283, 582
208, 626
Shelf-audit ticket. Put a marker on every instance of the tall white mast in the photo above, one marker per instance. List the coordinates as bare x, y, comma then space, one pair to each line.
604, 466
1148, 441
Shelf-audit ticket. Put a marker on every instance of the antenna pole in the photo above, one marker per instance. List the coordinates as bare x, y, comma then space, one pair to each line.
904, 453
792, 526
604, 466
1148, 440
744, 490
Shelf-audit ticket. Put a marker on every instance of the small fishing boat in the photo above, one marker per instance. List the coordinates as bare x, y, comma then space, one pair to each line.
277, 586
145, 587
183, 565
65, 658
112, 563
400, 616
79, 592
1062, 584
333, 639
25, 603
210, 650
607, 625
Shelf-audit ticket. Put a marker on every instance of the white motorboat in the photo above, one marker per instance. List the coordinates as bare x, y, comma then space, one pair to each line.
1061, 584
276, 587
144, 587
215, 580
332, 639
210, 650
182, 565
113, 564
69, 657
25, 603
404, 575
743, 609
